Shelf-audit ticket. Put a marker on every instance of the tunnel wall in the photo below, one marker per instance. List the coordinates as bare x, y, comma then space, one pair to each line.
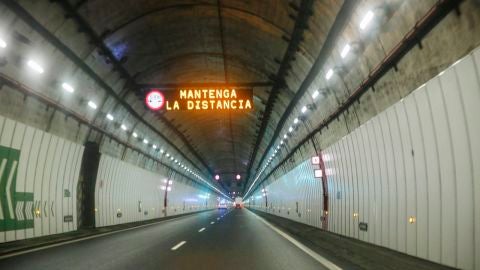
39, 174
412, 173
137, 194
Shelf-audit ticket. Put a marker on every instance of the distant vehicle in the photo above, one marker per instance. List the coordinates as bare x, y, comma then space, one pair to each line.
222, 206
238, 203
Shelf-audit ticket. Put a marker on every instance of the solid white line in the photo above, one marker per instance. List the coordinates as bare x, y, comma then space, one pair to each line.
87, 238
201, 230
212, 222
179, 245
328, 264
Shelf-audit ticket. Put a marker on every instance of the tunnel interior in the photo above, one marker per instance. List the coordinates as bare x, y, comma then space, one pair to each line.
358, 118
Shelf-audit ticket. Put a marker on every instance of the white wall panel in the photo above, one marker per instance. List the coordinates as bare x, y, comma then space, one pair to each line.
137, 194
418, 159
37, 190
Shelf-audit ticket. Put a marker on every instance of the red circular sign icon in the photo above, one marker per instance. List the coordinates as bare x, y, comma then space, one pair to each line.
155, 100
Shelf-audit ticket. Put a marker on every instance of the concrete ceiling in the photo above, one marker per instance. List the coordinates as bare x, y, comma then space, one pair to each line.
214, 41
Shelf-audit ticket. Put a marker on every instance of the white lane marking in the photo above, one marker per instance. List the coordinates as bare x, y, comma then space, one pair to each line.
328, 264
177, 246
212, 222
87, 238
218, 218
201, 230
8, 188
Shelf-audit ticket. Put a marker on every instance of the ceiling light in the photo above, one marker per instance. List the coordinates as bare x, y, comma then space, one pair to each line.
217, 177
290, 129
123, 127
168, 154
281, 142
315, 94
162, 151
171, 158
238, 177
154, 146
366, 20
345, 51
329, 74
67, 87
304, 109
135, 134
3, 44
145, 141
295, 121
92, 105
285, 136
35, 66
110, 117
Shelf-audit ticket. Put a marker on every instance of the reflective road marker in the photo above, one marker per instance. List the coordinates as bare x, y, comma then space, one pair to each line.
201, 230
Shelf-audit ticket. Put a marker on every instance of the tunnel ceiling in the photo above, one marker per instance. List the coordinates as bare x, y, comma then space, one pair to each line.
224, 41
227, 41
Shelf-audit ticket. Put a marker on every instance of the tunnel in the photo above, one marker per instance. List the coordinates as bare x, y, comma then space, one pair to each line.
240, 134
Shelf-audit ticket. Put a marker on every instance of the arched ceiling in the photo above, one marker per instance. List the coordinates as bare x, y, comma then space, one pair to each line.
216, 41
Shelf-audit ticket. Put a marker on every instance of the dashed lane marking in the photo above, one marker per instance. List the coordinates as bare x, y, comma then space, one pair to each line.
177, 246
201, 230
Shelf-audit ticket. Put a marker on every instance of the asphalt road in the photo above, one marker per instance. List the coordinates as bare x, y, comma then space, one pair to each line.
238, 240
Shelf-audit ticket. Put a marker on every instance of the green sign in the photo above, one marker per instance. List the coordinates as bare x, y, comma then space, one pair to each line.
16, 208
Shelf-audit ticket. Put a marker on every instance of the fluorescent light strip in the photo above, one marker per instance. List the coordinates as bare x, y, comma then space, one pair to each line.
366, 20
35, 66
345, 51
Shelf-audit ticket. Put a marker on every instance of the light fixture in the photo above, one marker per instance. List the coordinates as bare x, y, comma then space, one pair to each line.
162, 151
355, 214
217, 177
329, 74
154, 146
171, 158
67, 87
145, 141
238, 177
285, 136
304, 109
3, 44
92, 105
134, 134
281, 142
110, 117
123, 127
345, 51
170, 182
35, 66
295, 121
315, 94
168, 154
412, 219
366, 20
290, 129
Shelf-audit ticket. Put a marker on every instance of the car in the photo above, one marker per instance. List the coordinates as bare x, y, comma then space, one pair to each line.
238, 206
222, 206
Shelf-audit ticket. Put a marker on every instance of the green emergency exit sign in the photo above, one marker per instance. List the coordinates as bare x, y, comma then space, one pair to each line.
16, 208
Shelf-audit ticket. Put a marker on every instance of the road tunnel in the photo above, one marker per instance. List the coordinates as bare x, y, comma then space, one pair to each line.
213, 134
